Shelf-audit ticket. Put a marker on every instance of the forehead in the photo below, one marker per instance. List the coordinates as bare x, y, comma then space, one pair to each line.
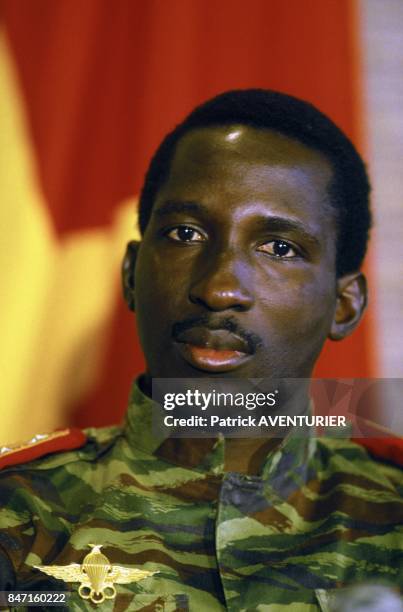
241, 164
244, 144
250, 143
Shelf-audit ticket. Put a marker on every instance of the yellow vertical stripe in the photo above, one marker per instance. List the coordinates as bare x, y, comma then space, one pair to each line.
56, 297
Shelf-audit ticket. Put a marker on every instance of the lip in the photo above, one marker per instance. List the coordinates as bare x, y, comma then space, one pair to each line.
213, 350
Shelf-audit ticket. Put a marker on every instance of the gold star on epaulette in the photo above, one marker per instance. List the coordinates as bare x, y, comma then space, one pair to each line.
22, 445
41, 445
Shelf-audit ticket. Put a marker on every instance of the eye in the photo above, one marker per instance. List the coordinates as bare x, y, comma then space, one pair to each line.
185, 233
279, 248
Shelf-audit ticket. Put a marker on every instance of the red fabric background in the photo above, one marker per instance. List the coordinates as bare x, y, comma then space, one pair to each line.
104, 81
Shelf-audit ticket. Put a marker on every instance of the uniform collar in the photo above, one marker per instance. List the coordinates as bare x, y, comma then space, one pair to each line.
206, 455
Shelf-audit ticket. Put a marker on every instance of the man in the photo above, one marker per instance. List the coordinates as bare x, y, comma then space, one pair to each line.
254, 219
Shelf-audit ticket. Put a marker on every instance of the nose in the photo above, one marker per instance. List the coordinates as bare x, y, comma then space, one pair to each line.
223, 285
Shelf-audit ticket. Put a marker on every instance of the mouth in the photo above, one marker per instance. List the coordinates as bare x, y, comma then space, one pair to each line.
213, 350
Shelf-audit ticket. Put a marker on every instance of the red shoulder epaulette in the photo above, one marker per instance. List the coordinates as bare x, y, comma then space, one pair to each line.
380, 442
40, 445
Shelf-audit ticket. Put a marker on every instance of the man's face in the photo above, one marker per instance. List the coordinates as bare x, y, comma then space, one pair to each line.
236, 272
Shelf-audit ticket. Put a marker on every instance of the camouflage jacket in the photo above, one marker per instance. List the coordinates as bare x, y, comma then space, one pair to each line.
323, 514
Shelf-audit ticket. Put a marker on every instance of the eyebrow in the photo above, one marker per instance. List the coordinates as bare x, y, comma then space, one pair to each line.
172, 206
282, 224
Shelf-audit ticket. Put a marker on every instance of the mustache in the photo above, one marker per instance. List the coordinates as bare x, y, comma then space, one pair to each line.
229, 324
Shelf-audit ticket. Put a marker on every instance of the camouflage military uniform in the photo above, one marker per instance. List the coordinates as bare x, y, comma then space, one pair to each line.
323, 514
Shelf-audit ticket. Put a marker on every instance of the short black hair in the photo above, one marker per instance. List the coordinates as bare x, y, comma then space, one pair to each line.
266, 109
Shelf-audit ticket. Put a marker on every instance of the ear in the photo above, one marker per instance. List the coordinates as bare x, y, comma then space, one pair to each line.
351, 303
128, 268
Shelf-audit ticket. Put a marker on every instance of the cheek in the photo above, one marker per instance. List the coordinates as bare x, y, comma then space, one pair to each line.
158, 287
300, 309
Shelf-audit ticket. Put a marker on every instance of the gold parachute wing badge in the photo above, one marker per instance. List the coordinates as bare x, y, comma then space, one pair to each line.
96, 575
